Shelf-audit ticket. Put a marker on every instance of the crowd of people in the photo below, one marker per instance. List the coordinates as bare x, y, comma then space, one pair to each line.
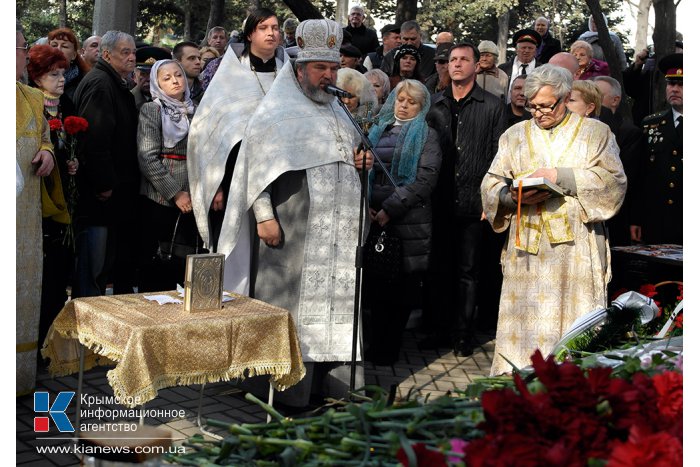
238, 146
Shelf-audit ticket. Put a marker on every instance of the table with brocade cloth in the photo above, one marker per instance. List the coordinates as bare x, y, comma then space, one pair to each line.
158, 346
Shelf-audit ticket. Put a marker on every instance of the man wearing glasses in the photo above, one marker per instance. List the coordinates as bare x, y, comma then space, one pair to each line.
556, 263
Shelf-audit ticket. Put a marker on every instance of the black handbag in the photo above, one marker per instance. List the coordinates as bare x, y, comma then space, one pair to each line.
383, 259
174, 251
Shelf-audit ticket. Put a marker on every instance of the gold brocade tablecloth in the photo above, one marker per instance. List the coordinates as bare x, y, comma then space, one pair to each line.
158, 346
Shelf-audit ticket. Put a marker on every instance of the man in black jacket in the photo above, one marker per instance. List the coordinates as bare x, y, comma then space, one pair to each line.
109, 173
469, 121
391, 38
363, 37
631, 141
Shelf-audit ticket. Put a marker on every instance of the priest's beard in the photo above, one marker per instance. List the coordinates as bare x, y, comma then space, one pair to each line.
315, 93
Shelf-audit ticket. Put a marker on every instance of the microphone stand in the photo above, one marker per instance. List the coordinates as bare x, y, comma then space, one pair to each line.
365, 145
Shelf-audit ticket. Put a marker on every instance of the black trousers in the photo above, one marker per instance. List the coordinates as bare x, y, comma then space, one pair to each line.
390, 306
454, 279
158, 225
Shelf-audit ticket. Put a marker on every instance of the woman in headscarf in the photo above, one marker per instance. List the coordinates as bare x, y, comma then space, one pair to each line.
163, 128
64, 40
411, 151
406, 65
46, 69
364, 99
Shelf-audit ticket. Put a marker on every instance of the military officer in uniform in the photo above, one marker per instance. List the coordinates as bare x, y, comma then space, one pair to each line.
145, 58
657, 212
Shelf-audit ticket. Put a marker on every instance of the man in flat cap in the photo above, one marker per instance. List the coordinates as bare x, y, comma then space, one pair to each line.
657, 210
145, 58
297, 177
350, 57
391, 38
526, 42
439, 80
488, 76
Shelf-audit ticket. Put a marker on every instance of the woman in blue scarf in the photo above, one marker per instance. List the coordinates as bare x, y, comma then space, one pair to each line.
410, 150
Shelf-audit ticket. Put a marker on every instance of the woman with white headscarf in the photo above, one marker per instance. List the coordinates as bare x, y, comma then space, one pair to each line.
163, 128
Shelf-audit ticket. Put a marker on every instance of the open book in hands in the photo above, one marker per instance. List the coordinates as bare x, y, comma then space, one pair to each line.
530, 183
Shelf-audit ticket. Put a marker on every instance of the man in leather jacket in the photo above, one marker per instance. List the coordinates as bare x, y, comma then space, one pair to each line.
469, 121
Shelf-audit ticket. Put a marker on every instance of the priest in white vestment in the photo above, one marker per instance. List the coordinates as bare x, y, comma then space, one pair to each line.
556, 262
297, 176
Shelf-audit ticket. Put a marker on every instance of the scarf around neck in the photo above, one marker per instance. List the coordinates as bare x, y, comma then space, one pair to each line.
173, 113
410, 142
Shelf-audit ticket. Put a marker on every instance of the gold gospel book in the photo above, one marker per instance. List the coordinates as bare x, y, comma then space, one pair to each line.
204, 282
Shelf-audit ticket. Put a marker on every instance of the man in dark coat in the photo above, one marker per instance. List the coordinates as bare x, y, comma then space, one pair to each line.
657, 210
631, 141
109, 173
411, 34
526, 42
363, 38
469, 122
549, 45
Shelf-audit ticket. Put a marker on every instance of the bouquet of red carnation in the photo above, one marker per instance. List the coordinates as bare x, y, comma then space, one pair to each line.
72, 125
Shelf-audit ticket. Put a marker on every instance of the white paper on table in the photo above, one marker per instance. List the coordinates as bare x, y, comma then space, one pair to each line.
162, 299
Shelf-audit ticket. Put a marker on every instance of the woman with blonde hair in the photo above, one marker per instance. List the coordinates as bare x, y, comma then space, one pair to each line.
380, 83
588, 67
411, 152
364, 100
207, 54
586, 99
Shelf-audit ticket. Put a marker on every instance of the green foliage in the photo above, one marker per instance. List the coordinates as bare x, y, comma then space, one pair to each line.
39, 17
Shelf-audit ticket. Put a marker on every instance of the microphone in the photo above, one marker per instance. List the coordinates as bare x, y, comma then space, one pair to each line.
337, 92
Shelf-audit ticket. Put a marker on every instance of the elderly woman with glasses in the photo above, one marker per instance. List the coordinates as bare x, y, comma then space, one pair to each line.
556, 262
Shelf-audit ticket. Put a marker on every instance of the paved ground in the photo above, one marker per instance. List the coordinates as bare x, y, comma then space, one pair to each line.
418, 373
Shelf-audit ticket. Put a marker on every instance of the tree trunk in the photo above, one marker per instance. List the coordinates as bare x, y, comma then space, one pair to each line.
216, 14
503, 21
664, 43
62, 14
341, 12
187, 27
640, 37
406, 10
303, 9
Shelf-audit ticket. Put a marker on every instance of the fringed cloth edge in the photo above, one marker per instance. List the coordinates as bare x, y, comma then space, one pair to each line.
281, 375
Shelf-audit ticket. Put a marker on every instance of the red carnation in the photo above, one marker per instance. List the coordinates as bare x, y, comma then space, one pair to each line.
426, 457
655, 450
55, 124
75, 125
669, 387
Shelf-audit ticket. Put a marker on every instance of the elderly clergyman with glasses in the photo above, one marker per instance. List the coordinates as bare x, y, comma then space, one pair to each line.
556, 263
